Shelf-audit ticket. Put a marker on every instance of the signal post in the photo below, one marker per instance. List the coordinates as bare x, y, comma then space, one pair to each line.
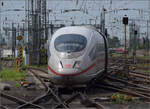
125, 22
19, 60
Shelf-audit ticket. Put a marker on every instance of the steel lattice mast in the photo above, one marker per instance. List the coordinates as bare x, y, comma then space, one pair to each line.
36, 29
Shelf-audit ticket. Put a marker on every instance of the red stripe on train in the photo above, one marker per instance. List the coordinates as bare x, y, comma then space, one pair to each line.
75, 74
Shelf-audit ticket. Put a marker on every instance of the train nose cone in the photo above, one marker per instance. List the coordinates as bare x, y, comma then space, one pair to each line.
68, 67
68, 71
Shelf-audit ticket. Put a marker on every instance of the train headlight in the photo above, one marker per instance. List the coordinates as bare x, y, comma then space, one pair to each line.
77, 64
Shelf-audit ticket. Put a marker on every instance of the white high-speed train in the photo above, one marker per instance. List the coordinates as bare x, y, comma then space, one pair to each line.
76, 55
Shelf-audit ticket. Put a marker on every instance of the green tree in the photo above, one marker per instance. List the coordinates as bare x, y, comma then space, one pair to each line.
113, 42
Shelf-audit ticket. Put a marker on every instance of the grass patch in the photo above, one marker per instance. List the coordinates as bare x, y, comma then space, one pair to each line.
18, 85
121, 75
147, 71
122, 98
11, 75
116, 55
143, 57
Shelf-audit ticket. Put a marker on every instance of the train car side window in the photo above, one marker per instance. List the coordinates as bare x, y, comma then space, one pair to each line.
92, 53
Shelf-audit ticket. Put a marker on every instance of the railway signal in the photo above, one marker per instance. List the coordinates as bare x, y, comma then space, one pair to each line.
19, 38
134, 50
125, 22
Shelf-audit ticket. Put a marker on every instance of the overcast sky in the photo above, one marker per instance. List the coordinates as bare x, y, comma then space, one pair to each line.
90, 9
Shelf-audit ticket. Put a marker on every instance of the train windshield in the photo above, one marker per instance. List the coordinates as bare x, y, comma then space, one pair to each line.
70, 43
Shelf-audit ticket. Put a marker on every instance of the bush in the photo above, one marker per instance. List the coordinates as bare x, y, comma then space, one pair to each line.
11, 74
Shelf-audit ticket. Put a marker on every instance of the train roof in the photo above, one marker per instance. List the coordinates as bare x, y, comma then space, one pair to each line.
84, 30
90, 27
83, 26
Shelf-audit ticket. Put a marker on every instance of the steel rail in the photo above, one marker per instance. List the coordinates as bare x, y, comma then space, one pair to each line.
86, 101
43, 71
89, 103
139, 89
29, 104
51, 94
127, 88
139, 76
140, 80
17, 100
99, 106
126, 82
36, 100
70, 99
39, 70
117, 68
24, 103
48, 89
36, 75
12, 98
67, 101
3, 107
134, 88
122, 90
148, 75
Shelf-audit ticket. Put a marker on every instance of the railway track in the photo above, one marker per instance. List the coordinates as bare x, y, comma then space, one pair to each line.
138, 60
50, 95
129, 88
3, 107
56, 100
8, 63
65, 103
139, 90
139, 77
136, 75
133, 84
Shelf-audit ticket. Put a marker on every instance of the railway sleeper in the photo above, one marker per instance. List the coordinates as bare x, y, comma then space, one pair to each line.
127, 83
84, 100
